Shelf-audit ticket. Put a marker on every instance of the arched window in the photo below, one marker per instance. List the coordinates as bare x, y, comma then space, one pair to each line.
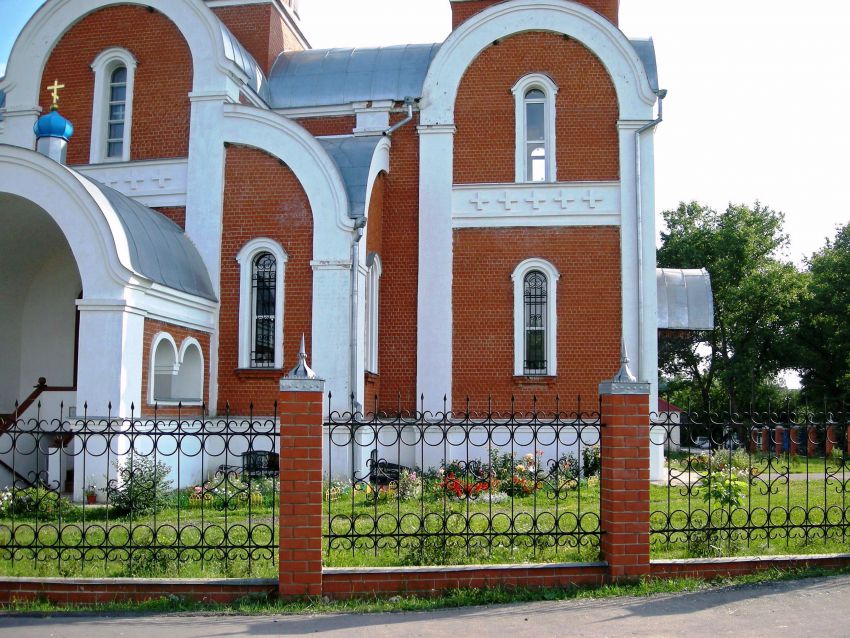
261, 263
176, 377
373, 282
534, 302
263, 288
535, 128
117, 113
112, 111
535, 318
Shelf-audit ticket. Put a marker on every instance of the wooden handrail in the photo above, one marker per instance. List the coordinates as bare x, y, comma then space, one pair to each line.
7, 420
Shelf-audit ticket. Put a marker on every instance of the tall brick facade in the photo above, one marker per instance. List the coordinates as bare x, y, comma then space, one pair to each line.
588, 311
163, 80
586, 110
400, 260
262, 198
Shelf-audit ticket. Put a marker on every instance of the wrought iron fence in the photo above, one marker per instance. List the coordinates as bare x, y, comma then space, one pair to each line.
461, 487
751, 483
149, 496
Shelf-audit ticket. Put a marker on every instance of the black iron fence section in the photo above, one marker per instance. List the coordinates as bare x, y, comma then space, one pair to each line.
753, 483
461, 487
139, 496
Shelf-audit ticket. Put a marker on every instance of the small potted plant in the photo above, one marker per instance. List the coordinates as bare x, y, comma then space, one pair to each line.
91, 494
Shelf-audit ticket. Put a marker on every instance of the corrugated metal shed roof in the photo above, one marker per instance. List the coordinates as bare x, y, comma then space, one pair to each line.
159, 249
326, 77
353, 156
645, 48
685, 301
235, 52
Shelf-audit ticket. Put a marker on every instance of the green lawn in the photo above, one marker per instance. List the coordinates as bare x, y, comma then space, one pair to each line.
775, 516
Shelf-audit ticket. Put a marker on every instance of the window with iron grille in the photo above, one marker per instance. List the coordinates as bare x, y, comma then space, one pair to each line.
263, 295
534, 301
535, 284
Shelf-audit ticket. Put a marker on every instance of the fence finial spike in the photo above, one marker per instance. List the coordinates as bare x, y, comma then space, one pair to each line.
624, 374
301, 369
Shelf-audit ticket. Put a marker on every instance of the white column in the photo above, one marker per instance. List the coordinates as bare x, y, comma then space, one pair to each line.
205, 197
434, 308
629, 244
18, 122
330, 356
110, 357
110, 371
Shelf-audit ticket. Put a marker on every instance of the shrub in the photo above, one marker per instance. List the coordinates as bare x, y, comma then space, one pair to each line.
592, 457
33, 501
141, 487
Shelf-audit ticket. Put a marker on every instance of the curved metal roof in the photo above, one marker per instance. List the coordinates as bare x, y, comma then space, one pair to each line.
645, 48
353, 157
327, 77
685, 301
236, 53
159, 249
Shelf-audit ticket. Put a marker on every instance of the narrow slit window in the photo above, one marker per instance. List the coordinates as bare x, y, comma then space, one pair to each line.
264, 287
116, 113
535, 135
535, 298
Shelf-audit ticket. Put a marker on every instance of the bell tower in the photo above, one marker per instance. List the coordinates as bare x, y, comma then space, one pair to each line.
265, 27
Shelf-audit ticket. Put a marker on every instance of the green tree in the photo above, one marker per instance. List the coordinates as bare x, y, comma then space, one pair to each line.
824, 331
756, 296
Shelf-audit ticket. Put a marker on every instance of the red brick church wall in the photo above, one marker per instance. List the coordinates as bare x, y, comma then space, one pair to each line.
588, 258
588, 309
262, 198
163, 80
586, 110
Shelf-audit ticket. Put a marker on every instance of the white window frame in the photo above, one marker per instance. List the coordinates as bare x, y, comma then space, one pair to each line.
103, 66
154, 370
245, 258
373, 292
545, 84
552, 277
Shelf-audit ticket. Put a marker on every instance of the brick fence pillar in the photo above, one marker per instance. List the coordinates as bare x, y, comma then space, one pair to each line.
811, 440
830, 442
301, 421
624, 483
792, 443
779, 440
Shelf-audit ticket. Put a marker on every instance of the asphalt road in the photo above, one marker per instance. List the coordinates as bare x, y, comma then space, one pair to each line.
813, 607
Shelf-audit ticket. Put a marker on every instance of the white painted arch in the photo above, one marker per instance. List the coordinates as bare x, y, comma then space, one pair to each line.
313, 167
635, 96
198, 24
89, 223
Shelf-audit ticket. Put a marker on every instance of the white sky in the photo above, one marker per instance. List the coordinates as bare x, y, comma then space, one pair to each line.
757, 94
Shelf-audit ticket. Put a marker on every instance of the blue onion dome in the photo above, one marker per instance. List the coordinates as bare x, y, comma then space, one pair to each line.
53, 125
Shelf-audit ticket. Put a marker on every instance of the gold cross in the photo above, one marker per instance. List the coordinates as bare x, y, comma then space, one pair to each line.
55, 90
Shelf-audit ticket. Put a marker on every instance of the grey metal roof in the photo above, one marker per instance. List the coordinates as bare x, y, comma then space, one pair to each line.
2, 102
645, 48
235, 52
159, 249
353, 157
685, 301
326, 77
